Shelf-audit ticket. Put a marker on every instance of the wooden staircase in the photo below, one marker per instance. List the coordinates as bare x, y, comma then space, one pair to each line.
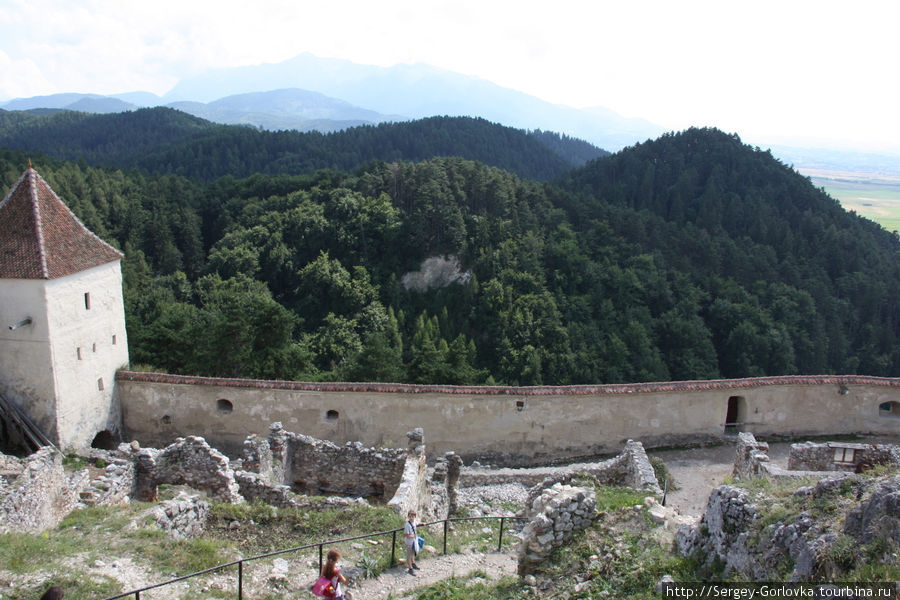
18, 430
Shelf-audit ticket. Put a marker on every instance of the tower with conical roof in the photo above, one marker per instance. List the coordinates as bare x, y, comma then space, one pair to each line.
62, 316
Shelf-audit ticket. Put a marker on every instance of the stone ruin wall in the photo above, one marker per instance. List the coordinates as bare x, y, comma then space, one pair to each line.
812, 456
285, 463
631, 468
36, 493
560, 511
321, 468
807, 459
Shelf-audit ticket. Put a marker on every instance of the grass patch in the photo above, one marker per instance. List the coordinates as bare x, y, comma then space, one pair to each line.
611, 498
73, 462
23, 553
261, 529
663, 475
77, 586
182, 557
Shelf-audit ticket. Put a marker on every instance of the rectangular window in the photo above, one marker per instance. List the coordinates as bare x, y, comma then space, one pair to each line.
844, 455
100, 384
87, 301
114, 340
94, 347
78, 353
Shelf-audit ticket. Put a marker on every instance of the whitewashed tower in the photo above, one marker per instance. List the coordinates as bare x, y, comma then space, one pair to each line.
62, 316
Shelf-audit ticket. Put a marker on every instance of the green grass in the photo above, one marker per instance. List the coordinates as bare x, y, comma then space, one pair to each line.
77, 586
103, 533
611, 498
475, 586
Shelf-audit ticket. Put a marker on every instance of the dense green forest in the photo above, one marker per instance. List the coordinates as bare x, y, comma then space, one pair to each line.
689, 257
167, 141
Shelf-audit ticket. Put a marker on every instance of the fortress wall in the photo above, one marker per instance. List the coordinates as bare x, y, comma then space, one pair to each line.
502, 425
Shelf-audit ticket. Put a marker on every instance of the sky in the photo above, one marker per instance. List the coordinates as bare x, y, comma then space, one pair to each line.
785, 71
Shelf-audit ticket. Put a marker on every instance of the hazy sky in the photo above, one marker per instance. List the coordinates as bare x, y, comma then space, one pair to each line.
768, 70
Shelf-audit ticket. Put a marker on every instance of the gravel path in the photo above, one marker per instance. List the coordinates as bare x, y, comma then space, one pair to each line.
698, 470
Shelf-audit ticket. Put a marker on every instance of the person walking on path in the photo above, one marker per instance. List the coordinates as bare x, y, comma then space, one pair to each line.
411, 538
332, 572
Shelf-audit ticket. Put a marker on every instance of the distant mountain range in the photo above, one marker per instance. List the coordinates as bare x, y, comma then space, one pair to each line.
310, 93
274, 110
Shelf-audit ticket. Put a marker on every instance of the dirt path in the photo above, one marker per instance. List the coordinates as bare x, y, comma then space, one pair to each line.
396, 583
698, 470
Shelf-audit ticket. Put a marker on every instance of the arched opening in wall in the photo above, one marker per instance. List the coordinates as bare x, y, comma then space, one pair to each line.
735, 415
104, 440
890, 410
224, 407
332, 415
376, 493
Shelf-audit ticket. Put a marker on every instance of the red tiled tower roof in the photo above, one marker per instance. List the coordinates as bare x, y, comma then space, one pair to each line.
40, 238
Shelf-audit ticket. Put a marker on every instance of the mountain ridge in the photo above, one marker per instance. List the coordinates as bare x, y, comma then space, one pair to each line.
170, 141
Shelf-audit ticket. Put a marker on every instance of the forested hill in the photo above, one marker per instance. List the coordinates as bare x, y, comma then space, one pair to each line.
690, 257
166, 141
717, 208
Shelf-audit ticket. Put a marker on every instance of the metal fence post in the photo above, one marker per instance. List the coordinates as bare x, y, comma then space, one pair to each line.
320, 559
500, 543
446, 522
393, 547
240, 580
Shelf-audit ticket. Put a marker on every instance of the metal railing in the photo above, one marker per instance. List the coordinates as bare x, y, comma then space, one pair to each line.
321, 545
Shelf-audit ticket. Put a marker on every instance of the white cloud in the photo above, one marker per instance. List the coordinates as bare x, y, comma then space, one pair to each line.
22, 78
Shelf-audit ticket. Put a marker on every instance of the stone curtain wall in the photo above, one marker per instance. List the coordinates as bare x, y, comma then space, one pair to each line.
486, 390
560, 512
500, 425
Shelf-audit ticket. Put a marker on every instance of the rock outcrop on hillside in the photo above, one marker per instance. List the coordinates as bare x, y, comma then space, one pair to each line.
816, 532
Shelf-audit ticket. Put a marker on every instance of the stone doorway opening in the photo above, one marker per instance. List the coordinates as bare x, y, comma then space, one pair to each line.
104, 440
735, 415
